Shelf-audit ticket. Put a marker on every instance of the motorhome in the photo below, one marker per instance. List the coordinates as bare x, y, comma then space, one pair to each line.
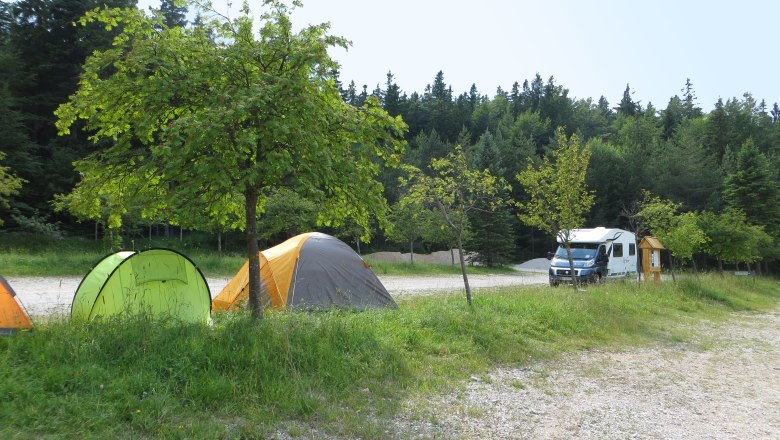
599, 254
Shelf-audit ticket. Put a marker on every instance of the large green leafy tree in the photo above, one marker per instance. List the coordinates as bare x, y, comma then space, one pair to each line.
219, 109
285, 214
680, 233
731, 238
558, 198
409, 220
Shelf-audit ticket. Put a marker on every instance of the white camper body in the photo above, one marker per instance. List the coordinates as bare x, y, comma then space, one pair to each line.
599, 253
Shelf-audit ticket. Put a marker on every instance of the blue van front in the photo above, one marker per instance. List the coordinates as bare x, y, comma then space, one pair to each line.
590, 263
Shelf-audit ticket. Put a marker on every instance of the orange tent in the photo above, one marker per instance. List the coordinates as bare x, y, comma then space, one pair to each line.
309, 271
12, 314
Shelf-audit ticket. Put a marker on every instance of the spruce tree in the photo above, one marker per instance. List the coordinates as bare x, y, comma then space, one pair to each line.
752, 189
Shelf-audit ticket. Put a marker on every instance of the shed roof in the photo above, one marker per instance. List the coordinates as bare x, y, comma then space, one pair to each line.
650, 243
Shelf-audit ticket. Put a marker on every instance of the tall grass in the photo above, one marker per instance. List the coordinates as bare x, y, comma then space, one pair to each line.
341, 372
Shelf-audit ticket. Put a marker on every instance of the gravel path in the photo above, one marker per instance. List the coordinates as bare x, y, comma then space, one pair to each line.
723, 383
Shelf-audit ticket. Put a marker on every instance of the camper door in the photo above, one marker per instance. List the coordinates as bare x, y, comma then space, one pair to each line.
622, 259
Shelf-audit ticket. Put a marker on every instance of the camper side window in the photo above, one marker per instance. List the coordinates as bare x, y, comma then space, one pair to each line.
617, 250
631, 249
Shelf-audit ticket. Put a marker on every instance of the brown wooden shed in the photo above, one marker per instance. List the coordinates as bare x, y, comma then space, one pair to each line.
651, 258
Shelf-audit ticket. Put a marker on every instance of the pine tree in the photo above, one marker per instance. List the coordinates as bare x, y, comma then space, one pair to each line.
391, 101
752, 189
174, 13
627, 105
690, 110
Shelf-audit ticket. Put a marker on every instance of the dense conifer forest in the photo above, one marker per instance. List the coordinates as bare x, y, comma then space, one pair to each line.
712, 159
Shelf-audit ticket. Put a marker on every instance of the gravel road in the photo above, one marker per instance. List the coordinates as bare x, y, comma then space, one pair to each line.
722, 383
52, 296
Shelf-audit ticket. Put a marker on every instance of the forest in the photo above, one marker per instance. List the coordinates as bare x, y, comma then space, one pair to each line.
699, 164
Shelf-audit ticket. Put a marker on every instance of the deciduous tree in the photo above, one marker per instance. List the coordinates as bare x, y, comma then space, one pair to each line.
455, 191
558, 197
222, 110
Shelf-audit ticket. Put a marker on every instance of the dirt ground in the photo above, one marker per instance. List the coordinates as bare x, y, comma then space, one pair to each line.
721, 383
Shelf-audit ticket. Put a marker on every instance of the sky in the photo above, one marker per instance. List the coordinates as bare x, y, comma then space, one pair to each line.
592, 48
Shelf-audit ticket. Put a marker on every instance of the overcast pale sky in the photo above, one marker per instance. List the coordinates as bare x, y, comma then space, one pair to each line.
592, 48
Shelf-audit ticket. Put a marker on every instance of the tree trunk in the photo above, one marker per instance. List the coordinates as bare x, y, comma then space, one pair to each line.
253, 251
463, 269
96, 230
452, 254
671, 267
411, 251
720, 266
181, 233
219, 242
571, 265
357, 244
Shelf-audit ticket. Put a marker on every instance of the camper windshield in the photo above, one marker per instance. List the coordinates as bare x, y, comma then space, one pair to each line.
579, 251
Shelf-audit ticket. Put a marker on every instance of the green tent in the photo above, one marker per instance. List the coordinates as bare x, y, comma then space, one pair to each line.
158, 282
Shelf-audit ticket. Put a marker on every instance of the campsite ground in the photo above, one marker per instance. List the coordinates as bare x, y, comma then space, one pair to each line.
722, 380
706, 379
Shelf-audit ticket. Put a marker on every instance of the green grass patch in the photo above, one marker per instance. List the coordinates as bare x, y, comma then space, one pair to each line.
341, 372
408, 268
24, 254
31, 255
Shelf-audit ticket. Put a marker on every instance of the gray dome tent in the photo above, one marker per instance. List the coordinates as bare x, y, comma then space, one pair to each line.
309, 271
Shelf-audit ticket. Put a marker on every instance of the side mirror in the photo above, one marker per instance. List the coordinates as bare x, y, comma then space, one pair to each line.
550, 255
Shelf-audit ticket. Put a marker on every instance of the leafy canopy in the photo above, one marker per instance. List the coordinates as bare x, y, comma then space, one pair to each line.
558, 198
199, 117
455, 190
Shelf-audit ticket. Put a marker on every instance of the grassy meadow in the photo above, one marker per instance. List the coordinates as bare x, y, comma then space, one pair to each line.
345, 374
33, 255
